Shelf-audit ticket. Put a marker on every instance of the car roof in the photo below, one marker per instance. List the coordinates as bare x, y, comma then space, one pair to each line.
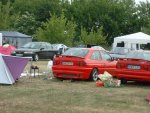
141, 51
87, 48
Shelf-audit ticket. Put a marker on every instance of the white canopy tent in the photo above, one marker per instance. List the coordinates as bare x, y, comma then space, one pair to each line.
132, 40
6, 76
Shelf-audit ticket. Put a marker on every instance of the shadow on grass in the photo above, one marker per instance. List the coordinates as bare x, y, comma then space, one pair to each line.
135, 83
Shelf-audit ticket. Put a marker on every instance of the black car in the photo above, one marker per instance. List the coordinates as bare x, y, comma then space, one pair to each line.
36, 50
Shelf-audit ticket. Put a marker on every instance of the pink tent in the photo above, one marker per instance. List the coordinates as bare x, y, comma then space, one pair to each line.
6, 50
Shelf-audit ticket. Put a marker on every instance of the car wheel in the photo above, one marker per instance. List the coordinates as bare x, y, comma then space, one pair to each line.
94, 75
36, 57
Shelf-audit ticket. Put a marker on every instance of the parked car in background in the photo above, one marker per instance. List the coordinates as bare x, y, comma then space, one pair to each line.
119, 52
59, 47
82, 63
36, 50
91, 46
98, 47
135, 67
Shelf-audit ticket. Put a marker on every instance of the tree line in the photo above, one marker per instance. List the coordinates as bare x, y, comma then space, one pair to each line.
75, 22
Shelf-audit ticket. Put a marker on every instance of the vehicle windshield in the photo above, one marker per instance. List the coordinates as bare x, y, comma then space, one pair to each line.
32, 45
76, 52
119, 50
139, 55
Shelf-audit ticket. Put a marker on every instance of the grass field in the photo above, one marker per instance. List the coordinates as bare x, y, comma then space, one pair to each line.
35, 95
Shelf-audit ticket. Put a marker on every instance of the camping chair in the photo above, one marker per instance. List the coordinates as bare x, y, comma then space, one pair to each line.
34, 68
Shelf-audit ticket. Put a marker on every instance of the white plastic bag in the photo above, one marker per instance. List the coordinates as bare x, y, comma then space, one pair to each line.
104, 77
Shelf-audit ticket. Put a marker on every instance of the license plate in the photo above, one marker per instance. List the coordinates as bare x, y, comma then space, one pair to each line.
134, 67
67, 63
19, 55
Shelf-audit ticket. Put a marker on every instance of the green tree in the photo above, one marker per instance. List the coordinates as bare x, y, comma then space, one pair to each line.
93, 37
116, 16
42, 9
143, 13
57, 30
6, 18
6, 1
146, 29
26, 23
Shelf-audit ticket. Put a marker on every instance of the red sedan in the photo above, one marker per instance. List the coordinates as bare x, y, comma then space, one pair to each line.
135, 67
83, 64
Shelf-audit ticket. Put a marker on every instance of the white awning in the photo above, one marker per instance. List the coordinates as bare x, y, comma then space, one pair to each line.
140, 38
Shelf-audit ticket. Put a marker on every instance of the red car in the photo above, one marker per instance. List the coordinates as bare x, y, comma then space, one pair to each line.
135, 67
82, 63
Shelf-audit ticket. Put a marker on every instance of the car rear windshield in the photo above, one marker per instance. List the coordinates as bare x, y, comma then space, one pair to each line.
139, 55
76, 52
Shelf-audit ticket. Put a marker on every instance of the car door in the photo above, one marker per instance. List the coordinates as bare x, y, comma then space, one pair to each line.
43, 53
109, 65
97, 62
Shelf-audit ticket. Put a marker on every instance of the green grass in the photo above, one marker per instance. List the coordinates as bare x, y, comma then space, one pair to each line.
35, 95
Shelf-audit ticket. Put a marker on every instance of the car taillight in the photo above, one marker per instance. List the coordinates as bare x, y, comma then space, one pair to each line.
81, 63
55, 62
147, 67
120, 65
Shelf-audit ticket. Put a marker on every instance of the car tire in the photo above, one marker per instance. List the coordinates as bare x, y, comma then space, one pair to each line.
94, 75
36, 57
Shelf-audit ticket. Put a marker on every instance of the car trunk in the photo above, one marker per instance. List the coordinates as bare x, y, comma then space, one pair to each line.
69, 61
134, 64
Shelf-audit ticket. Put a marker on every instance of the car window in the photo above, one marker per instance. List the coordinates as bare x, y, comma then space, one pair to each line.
147, 56
76, 52
32, 45
105, 56
139, 55
48, 46
55, 46
96, 55
44, 46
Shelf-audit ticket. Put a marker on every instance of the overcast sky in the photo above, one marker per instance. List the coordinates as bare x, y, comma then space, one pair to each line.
137, 1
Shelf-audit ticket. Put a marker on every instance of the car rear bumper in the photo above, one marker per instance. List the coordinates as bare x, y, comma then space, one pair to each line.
72, 72
133, 75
